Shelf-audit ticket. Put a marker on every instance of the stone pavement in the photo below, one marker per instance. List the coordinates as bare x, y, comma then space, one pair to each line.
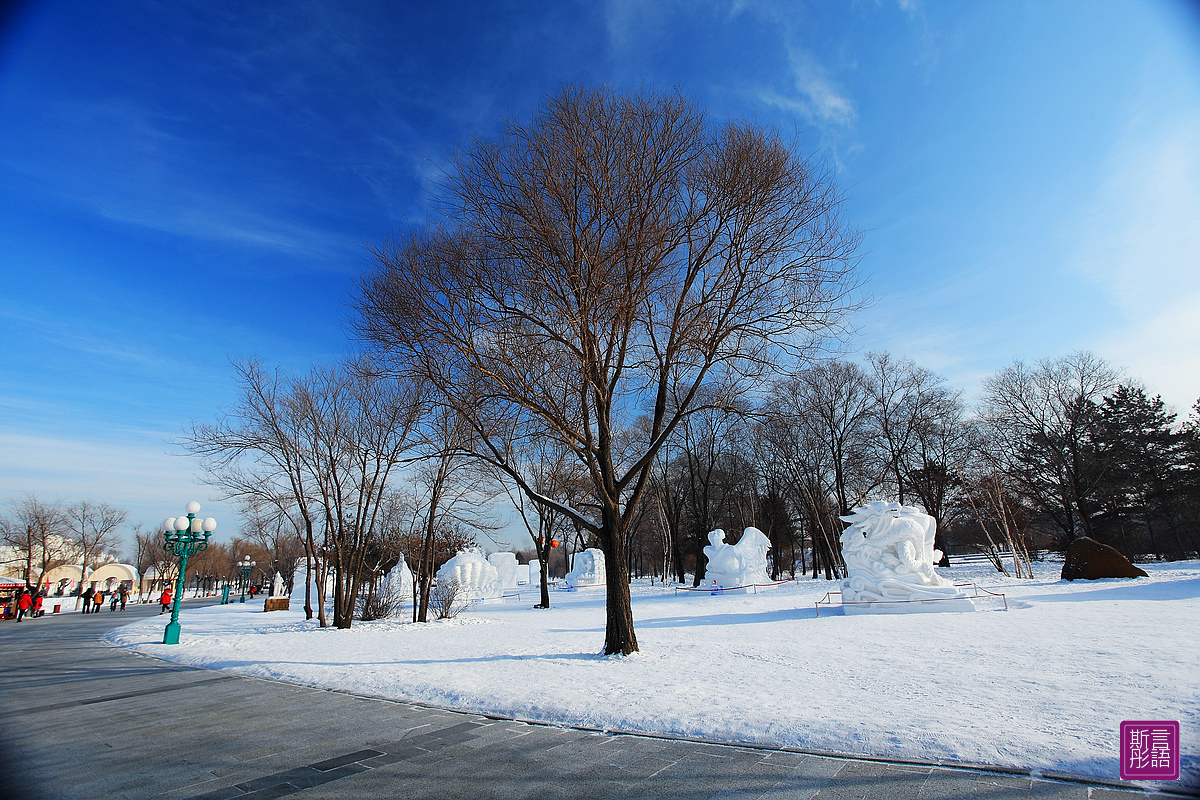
81, 719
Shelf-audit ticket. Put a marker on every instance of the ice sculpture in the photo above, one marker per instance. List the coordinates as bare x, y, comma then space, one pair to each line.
476, 578
889, 556
589, 569
738, 565
277, 586
506, 566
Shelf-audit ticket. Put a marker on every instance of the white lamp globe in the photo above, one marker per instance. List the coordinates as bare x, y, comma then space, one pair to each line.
193, 507
197, 525
168, 524
181, 523
210, 524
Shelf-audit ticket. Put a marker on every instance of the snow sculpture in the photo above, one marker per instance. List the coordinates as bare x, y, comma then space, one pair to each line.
589, 569
889, 556
506, 566
298, 580
398, 583
277, 586
737, 565
476, 578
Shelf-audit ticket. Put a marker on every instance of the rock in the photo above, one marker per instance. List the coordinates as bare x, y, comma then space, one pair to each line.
1090, 560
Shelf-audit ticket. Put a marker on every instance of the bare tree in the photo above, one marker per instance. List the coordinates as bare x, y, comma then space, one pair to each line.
254, 452
35, 535
603, 261
93, 529
1042, 424
356, 428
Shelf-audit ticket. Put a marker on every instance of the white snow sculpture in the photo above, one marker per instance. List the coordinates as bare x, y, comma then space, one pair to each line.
298, 580
398, 583
476, 578
889, 556
277, 586
737, 565
506, 566
589, 569
522, 575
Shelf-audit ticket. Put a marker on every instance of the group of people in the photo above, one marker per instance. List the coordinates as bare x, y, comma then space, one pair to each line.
93, 599
29, 603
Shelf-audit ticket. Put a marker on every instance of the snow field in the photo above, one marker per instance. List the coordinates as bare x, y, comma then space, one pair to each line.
1044, 685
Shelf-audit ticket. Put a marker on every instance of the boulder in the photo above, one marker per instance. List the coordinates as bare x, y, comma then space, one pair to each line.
1090, 560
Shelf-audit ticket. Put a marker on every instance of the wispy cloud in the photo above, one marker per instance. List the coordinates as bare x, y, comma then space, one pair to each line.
138, 475
1138, 240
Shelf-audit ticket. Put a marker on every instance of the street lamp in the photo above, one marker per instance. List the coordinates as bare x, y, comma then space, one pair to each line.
184, 536
245, 565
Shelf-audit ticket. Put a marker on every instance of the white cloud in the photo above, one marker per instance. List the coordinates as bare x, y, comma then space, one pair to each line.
138, 475
828, 105
1139, 241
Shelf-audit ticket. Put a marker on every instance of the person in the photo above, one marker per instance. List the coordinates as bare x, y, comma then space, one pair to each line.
97, 601
37, 605
87, 599
165, 601
124, 597
116, 598
23, 604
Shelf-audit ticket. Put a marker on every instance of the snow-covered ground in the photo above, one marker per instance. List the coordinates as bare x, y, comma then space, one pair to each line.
1044, 685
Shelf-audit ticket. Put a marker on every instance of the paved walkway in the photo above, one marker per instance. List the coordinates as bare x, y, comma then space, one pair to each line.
81, 719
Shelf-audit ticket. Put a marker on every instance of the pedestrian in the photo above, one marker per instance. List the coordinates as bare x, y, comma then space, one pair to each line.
97, 601
124, 597
116, 598
23, 604
87, 599
165, 601
37, 605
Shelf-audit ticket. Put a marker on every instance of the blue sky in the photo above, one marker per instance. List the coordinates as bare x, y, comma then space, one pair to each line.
181, 183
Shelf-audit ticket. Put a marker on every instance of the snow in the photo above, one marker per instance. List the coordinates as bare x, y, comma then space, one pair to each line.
1043, 685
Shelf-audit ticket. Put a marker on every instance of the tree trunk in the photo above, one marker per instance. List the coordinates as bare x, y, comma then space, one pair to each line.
618, 632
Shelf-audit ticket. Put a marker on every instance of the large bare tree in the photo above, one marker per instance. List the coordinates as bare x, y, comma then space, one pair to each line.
603, 261
319, 448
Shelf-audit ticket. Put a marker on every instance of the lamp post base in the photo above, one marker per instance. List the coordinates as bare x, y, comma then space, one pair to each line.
171, 634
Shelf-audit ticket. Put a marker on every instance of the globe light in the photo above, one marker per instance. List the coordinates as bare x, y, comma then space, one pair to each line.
168, 524
197, 525
193, 507
181, 523
210, 524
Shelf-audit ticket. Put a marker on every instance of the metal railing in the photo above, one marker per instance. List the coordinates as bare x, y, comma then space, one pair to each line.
977, 593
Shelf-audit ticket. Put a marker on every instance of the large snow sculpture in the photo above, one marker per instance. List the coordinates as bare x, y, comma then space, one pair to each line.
589, 569
889, 556
737, 565
506, 566
476, 578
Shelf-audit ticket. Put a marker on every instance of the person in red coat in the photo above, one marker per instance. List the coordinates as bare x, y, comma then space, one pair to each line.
23, 604
37, 605
165, 601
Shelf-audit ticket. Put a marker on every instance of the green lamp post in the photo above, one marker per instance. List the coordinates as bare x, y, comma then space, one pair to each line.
184, 536
246, 565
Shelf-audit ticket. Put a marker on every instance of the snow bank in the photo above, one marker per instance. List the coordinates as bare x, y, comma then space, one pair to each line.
1043, 685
